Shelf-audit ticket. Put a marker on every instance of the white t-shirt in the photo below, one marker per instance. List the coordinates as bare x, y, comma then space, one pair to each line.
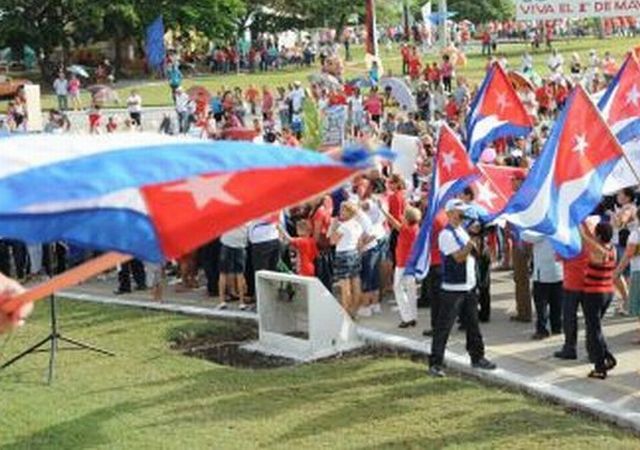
449, 245
182, 103
350, 234
263, 232
61, 86
236, 238
297, 97
134, 104
634, 239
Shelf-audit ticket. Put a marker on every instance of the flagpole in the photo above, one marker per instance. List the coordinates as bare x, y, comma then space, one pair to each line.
630, 164
65, 280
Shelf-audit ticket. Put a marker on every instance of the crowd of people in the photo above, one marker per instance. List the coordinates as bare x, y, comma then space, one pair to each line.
357, 240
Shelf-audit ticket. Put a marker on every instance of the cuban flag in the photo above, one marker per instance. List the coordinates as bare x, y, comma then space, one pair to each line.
620, 106
566, 182
494, 188
453, 171
496, 112
152, 196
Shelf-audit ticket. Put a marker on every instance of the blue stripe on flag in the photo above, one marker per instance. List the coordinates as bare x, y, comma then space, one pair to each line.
128, 232
102, 173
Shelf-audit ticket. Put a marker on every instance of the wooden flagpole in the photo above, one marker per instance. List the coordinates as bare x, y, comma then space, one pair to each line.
65, 280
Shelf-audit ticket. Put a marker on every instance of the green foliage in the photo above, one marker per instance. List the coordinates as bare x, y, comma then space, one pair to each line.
482, 11
312, 126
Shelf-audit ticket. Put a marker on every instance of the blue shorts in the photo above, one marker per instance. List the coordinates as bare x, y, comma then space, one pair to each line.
370, 271
346, 265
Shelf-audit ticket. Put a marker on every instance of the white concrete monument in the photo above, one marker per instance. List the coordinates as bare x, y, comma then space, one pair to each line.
299, 318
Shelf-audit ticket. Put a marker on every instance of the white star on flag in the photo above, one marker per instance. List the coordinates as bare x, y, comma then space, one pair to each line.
486, 194
448, 161
206, 190
502, 101
633, 96
581, 144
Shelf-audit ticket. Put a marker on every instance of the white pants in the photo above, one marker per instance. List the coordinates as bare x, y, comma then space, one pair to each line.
404, 289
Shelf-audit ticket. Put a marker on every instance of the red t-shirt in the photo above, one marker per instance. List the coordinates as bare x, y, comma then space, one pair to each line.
451, 110
397, 205
322, 219
574, 271
414, 67
543, 96
307, 253
434, 250
406, 238
374, 105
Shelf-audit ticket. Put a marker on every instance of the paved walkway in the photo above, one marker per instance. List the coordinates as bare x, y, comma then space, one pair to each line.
523, 363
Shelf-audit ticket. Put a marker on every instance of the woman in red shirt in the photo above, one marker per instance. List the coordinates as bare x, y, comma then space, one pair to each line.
397, 205
598, 293
404, 288
415, 65
374, 106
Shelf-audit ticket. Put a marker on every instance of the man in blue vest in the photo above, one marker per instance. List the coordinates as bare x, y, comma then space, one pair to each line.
458, 294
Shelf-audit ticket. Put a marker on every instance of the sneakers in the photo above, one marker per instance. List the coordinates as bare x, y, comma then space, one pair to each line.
122, 291
436, 371
222, 306
484, 364
565, 354
376, 308
411, 323
365, 311
540, 335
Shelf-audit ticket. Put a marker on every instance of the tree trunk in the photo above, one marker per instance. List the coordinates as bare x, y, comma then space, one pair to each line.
47, 69
117, 63
342, 21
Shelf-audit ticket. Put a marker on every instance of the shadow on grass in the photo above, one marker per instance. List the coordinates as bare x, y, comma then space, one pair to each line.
83, 432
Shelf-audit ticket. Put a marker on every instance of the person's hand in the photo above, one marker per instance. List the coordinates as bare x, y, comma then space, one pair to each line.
9, 289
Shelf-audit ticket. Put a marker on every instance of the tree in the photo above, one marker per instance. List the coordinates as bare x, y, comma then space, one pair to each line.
43, 25
47, 25
482, 11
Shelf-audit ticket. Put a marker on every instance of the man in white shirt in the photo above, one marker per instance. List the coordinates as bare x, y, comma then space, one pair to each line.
134, 107
182, 109
233, 258
61, 88
458, 292
547, 286
296, 97
555, 63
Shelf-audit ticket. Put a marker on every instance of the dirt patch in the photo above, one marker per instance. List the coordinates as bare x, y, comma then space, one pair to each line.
221, 344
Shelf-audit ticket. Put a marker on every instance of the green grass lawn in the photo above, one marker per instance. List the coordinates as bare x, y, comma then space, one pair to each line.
152, 397
156, 93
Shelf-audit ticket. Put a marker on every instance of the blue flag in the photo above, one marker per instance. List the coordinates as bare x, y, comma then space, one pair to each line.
155, 44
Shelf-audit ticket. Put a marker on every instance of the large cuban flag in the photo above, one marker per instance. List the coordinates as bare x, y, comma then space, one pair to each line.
453, 171
151, 196
565, 185
496, 112
620, 106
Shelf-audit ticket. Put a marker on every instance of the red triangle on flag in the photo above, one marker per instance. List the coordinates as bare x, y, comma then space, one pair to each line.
502, 100
585, 140
452, 160
626, 101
